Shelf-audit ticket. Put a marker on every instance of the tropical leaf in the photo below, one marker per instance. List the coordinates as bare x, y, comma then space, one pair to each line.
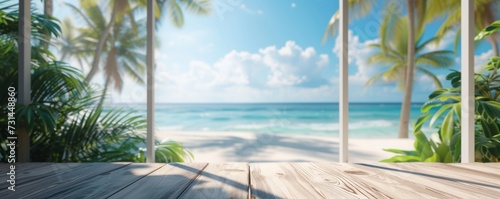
401, 158
402, 152
175, 13
360, 8
492, 28
448, 127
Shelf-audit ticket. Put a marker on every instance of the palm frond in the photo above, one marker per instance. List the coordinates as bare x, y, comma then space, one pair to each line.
360, 8
421, 46
175, 14
381, 58
438, 59
434, 78
203, 7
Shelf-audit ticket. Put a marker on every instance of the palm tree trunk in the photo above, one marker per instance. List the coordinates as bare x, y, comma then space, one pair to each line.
104, 91
100, 44
405, 107
488, 18
47, 10
494, 44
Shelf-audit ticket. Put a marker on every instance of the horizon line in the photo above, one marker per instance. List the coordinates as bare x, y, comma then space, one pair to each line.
260, 103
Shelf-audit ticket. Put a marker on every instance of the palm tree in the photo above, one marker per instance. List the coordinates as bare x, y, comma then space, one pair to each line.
486, 13
393, 52
121, 51
70, 44
124, 7
404, 120
415, 9
47, 11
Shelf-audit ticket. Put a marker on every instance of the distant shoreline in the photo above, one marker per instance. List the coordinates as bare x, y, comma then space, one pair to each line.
259, 103
366, 120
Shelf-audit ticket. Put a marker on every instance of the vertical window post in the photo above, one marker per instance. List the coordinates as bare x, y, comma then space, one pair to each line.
24, 75
150, 145
344, 86
468, 105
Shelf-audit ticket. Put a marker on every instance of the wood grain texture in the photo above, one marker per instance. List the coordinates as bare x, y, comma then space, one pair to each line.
79, 173
29, 172
494, 165
23, 167
460, 174
32, 172
331, 183
444, 182
490, 172
392, 186
220, 180
255, 180
102, 184
279, 180
167, 182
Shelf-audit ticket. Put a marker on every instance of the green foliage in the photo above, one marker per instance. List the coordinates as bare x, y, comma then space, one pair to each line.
486, 12
176, 15
359, 8
62, 119
494, 27
393, 49
444, 105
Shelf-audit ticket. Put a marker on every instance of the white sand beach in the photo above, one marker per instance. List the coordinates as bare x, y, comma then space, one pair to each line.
253, 147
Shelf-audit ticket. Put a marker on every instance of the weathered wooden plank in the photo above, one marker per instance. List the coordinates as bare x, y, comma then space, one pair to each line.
392, 186
330, 183
279, 180
493, 165
102, 185
478, 167
22, 167
456, 173
32, 172
68, 175
4, 167
223, 180
167, 182
444, 182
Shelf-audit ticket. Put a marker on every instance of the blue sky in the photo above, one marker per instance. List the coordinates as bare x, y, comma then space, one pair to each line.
270, 51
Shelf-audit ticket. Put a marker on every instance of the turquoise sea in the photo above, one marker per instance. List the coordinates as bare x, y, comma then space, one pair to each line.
366, 120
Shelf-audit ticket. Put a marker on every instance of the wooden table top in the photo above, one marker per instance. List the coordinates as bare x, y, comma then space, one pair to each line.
252, 180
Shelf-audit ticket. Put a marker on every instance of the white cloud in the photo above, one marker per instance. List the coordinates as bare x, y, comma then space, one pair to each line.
269, 68
292, 65
358, 54
445, 42
287, 73
294, 5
